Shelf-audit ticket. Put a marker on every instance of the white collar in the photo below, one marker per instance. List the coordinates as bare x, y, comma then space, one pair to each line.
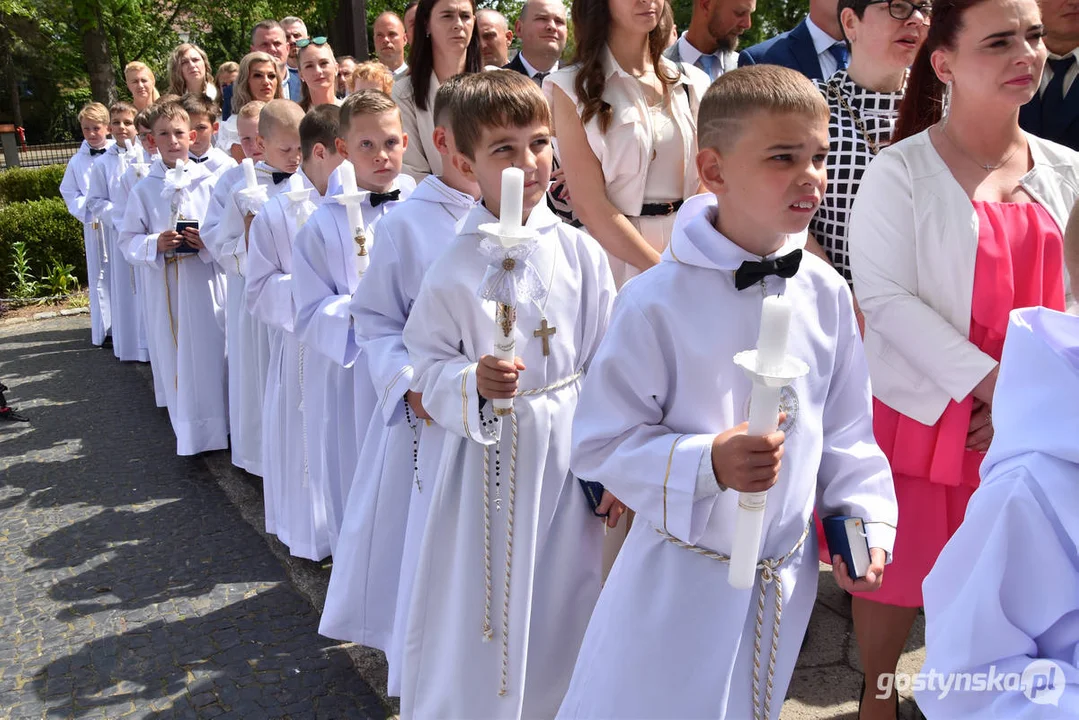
531, 70
822, 41
1054, 56
688, 52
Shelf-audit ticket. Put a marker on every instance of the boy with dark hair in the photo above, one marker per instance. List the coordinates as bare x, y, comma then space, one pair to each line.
203, 114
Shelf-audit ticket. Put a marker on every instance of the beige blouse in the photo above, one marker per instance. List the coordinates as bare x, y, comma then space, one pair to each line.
421, 156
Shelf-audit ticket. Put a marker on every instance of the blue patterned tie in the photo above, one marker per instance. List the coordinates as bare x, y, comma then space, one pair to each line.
706, 63
1054, 121
841, 54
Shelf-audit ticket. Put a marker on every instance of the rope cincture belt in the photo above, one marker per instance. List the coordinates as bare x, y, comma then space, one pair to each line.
769, 570
488, 633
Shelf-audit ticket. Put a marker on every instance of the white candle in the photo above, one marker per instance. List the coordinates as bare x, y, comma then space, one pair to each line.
512, 204
347, 173
763, 417
140, 153
251, 181
127, 145
295, 183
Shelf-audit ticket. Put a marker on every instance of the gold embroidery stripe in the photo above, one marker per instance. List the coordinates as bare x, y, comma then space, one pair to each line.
667, 477
386, 392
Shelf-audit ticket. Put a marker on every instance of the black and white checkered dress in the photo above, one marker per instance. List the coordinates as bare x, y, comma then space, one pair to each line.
848, 157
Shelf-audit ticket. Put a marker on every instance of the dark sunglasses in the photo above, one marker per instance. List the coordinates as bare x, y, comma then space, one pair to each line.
320, 40
903, 9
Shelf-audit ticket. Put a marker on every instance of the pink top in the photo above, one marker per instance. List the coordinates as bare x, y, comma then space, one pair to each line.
1020, 263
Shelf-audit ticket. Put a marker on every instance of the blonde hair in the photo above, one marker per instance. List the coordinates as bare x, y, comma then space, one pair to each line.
224, 68
280, 115
251, 110
94, 111
498, 98
135, 66
365, 102
736, 95
374, 72
241, 92
177, 85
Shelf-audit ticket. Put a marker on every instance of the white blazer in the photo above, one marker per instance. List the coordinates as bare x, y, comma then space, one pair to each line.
913, 242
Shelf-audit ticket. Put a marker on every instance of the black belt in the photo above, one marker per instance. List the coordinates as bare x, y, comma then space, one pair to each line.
659, 209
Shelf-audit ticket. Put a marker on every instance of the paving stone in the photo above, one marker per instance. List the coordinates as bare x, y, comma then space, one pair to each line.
129, 585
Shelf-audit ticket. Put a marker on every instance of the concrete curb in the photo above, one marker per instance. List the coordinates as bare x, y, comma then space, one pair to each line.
47, 315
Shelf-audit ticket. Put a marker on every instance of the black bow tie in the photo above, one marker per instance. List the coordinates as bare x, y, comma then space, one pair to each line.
379, 198
280, 177
98, 151
752, 272
198, 160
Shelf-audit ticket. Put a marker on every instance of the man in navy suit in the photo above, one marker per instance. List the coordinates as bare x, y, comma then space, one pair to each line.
1054, 112
815, 47
541, 28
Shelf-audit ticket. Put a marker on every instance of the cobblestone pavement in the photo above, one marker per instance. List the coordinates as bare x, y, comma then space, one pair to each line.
129, 584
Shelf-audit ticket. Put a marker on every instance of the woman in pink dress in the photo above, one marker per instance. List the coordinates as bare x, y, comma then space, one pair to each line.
956, 224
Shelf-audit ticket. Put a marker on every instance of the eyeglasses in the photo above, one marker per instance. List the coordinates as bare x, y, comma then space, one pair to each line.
320, 40
903, 9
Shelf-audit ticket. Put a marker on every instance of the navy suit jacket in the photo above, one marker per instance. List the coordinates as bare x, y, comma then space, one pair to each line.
226, 102
1030, 119
793, 49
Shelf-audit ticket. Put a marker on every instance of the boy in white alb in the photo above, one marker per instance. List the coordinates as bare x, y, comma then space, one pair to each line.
185, 293
660, 423
361, 599
1003, 596
327, 265
285, 481
203, 114
103, 201
231, 212
74, 188
510, 562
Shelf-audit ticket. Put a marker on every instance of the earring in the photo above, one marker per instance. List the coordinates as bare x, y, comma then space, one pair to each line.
946, 107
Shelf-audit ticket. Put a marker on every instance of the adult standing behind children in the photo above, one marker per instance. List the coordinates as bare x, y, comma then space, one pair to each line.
75, 189
956, 224
189, 72
443, 45
625, 118
390, 43
141, 83
259, 79
661, 423
318, 73
541, 28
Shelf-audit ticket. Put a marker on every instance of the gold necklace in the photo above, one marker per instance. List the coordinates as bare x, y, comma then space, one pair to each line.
859, 124
988, 167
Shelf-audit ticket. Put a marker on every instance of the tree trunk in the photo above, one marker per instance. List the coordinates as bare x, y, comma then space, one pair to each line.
95, 47
7, 62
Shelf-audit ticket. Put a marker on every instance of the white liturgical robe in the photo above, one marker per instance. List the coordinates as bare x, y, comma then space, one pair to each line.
669, 636
338, 396
75, 189
1003, 597
185, 298
541, 588
361, 599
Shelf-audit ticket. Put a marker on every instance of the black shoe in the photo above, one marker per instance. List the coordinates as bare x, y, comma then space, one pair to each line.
861, 694
106, 344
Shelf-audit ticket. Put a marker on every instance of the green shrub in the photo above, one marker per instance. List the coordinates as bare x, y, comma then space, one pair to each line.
51, 236
22, 184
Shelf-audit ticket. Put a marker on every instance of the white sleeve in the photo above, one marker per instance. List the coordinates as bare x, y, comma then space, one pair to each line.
269, 287
323, 320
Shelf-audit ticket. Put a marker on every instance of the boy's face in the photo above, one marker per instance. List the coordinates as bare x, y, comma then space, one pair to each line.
94, 132
281, 149
770, 179
527, 148
248, 130
204, 130
173, 139
122, 127
376, 146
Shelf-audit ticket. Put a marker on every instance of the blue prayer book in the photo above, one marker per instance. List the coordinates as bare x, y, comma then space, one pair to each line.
845, 536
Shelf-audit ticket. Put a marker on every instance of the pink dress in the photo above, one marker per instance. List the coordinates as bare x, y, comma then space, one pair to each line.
1020, 263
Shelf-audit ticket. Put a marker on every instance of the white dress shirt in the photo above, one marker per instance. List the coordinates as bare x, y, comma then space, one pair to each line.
530, 69
1069, 77
822, 43
725, 60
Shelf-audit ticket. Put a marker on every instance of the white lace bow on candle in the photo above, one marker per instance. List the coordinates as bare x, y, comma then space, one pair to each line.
176, 180
510, 278
251, 200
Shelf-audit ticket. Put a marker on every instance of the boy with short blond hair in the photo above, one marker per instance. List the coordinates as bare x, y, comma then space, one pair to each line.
269, 287
203, 114
326, 272
662, 424
106, 202
74, 188
231, 212
387, 482
510, 562
185, 293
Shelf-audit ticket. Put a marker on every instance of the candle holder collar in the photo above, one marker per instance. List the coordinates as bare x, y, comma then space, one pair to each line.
510, 277
789, 370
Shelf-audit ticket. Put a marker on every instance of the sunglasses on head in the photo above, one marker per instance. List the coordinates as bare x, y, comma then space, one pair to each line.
304, 42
